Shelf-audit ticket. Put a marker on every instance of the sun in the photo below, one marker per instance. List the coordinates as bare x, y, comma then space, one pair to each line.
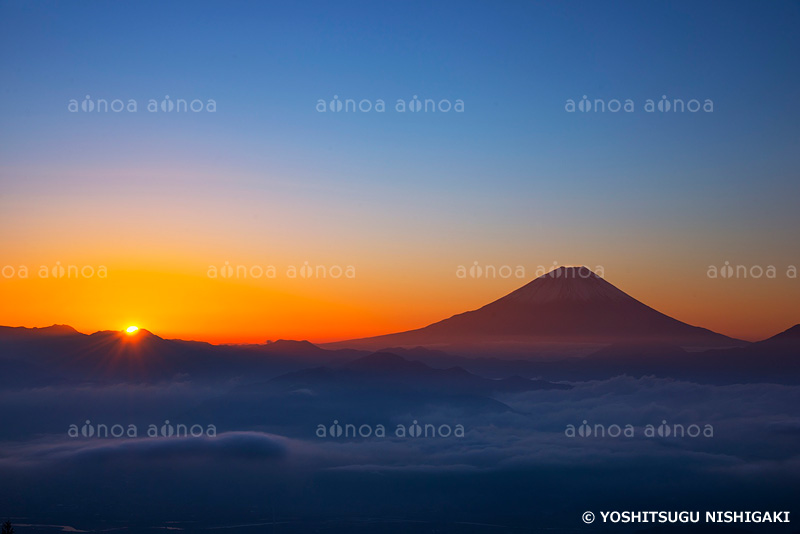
132, 330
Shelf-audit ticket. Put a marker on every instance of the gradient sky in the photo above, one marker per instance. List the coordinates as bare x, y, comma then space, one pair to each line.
653, 198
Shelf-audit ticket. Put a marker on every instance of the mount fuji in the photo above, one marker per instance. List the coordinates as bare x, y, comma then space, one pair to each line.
567, 305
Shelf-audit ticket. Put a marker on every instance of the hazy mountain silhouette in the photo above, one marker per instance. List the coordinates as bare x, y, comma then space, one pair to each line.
9, 333
385, 370
566, 305
774, 360
371, 389
789, 338
60, 354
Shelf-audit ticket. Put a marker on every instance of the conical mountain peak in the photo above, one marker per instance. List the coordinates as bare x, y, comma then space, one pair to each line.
569, 304
566, 283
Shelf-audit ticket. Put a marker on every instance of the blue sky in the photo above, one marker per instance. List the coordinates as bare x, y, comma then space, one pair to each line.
514, 177
514, 65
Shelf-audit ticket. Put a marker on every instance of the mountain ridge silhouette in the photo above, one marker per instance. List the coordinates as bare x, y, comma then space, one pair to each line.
566, 305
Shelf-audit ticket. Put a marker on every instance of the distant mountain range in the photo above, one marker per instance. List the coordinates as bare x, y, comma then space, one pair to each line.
567, 305
386, 371
59, 354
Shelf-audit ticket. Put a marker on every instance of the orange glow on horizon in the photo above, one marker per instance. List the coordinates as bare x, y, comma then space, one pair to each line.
177, 305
